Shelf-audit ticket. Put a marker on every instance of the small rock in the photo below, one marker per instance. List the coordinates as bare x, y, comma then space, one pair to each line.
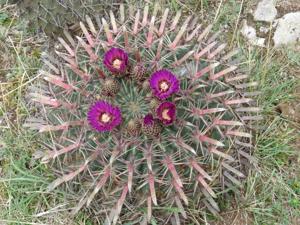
250, 33
264, 29
288, 29
290, 110
265, 11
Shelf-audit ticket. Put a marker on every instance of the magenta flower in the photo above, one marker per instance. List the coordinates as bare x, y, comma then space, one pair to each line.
166, 112
102, 116
148, 120
163, 84
116, 60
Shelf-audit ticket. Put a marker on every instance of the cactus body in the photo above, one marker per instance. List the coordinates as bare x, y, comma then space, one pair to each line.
161, 139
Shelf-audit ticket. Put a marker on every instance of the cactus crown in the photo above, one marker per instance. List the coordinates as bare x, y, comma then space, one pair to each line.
147, 111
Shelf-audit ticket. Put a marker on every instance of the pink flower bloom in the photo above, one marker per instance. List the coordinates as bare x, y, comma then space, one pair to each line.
148, 120
163, 84
116, 60
104, 117
166, 112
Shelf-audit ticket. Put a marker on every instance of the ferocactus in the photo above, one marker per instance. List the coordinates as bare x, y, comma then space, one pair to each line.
144, 111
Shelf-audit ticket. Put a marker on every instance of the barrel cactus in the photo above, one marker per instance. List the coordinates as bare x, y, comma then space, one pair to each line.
143, 112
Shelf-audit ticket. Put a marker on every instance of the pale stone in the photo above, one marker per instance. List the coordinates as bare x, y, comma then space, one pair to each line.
264, 29
288, 29
265, 11
250, 33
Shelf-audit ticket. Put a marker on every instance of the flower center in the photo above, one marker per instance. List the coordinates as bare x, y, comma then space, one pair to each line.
164, 86
165, 115
117, 63
105, 118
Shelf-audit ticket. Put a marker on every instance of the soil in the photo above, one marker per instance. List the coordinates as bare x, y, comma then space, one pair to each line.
235, 217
